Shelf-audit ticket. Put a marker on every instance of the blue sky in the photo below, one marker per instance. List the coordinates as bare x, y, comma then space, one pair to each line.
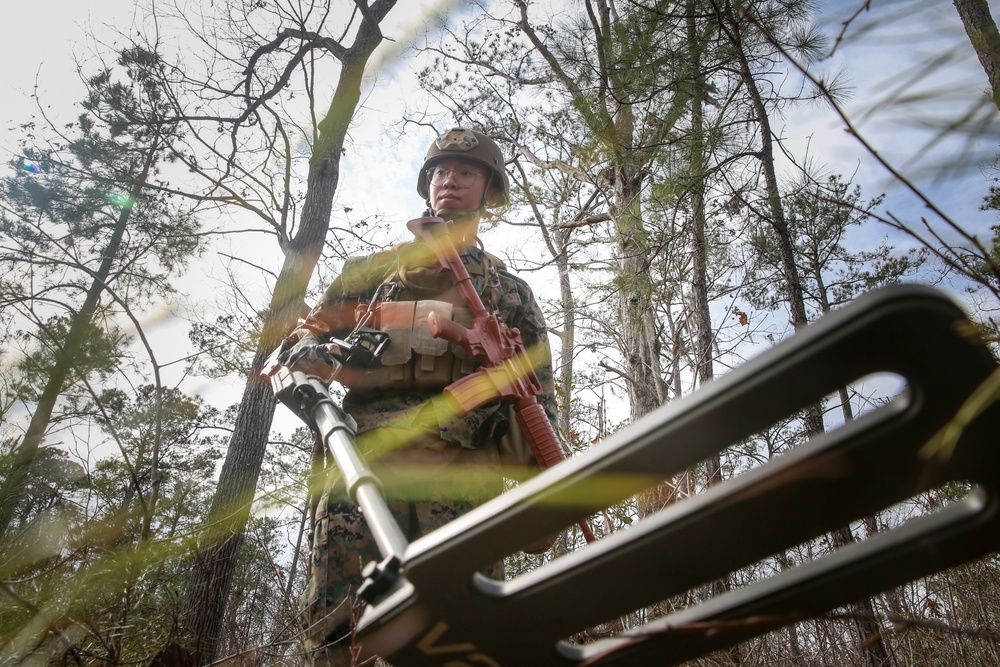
912, 74
44, 38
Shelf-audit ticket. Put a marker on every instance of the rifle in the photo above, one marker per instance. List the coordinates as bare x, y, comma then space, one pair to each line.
506, 373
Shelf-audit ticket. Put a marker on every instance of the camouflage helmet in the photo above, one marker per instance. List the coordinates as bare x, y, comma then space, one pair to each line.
463, 144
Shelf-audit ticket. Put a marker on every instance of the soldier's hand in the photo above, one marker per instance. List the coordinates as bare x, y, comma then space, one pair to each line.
312, 358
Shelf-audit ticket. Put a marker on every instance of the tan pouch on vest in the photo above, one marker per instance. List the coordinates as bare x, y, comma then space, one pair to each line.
395, 370
396, 319
432, 365
414, 358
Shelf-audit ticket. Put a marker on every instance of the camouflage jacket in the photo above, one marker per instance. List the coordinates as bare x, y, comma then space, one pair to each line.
422, 408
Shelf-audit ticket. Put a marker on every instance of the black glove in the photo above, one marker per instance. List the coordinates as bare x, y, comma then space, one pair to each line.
310, 357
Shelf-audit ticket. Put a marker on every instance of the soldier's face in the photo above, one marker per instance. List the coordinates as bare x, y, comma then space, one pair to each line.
454, 192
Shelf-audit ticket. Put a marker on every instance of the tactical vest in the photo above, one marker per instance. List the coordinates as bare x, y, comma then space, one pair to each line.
413, 357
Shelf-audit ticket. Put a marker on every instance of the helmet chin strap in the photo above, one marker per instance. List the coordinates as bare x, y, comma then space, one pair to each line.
467, 223
480, 212
476, 215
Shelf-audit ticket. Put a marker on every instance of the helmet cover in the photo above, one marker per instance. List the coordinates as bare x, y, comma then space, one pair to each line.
462, 144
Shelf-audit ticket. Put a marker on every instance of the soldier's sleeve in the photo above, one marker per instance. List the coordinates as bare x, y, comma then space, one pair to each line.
334, 315
534, 333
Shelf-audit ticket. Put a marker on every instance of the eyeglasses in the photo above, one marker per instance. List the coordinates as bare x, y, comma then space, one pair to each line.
464, 178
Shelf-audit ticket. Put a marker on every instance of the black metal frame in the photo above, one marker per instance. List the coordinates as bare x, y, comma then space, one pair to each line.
440, 611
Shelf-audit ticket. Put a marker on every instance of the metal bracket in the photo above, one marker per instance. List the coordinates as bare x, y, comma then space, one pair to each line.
448, 614
310, 400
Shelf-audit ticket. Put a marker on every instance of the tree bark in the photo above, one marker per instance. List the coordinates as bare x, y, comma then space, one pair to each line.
641, 341
705, 369
775, 212
567, 347
985, 38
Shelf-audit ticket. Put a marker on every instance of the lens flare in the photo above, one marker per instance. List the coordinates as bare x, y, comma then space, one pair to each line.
118, 199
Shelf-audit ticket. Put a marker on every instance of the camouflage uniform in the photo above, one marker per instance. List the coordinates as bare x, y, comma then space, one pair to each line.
421, 451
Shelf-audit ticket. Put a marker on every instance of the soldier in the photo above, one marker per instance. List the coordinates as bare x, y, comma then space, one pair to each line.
434, 464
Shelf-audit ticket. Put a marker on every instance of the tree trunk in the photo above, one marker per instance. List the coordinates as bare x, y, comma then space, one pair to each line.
705, 368
12, 490
639, 327
867, 628
775, 212
567, 348
557, 241
209, 584
985, 38
611, 117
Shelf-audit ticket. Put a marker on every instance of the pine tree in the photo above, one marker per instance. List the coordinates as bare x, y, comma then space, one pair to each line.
88, 237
